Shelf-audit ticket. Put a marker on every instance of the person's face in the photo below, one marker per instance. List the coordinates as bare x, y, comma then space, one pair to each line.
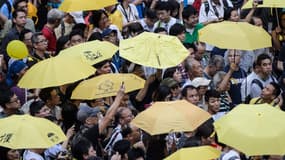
104, 22
234, 16
21, 19
43, 112
14, 103
23, 6
191, 53
202, 90
191, 21
214, 104
197, 69
201, 48
55, 99
105, 69
27, 39
126, 116
267, 92
257, 22
76, 39
192, 96
42, 43
13, 155
91, 153
163, 15
112, 37
283, 20
266, 67
150, 22
212, 70
135, 135
234, 57
175, 90
177, 76
181, 36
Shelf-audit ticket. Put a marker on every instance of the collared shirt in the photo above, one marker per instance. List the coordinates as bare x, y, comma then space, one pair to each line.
167, 25
51, 37
145, 26
130, 14
193, 37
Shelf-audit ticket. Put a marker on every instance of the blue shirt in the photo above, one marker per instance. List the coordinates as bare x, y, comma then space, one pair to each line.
5, 10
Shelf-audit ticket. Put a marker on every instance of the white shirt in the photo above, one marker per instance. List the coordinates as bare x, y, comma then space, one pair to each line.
28, 155
145, 26
167, 25
130, 14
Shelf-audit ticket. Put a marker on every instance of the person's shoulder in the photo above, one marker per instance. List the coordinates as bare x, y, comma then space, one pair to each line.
199, 26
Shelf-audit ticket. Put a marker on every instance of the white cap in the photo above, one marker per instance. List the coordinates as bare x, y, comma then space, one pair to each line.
200, 81
77, 16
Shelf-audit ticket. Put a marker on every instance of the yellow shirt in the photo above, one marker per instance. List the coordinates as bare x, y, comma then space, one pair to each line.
258, 100
116, 18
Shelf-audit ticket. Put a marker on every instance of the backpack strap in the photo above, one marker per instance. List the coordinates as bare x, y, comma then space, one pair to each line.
207, 7
7, 4
226, 4
257, 101
62, 28
256, 81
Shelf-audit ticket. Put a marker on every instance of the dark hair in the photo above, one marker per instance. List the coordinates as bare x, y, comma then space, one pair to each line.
190, 45
163, 5
177, 29
60, 43
5, 97
262, 57
35, 37
174, 5
15, 12
185, 90
135, 153
3, 153
122, 146
151, 14
22, 34
280, 19
126, 131
228, 12
206, 129
277, 90
96, 17
79, 26
45, 94
95, 36
16, 2
135, 28
160, 29
80, 147
188, 11
76, 32
100, 64
168, 73
211, 94
36, 106
161, 93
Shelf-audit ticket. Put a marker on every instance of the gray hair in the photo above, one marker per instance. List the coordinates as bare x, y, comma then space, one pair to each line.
218, 77
54, 15
189, 64
215, 60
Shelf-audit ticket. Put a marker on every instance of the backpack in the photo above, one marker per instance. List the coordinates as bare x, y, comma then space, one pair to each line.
207, 6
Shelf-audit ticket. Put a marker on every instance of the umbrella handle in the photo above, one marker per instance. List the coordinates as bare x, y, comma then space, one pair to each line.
278, 23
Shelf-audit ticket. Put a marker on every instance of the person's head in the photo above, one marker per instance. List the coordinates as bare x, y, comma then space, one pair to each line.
190, 94
160, 30
77, 17
9, 154
99, 19
201, 84
264, 63
122, 147
174, 8
135, 29
82, 149
87, 115
21, 4
62, 43
282, 20
270, 91
136, 154
39, 41
212, 98
217, 79
234, 56
16, 70
174, 73
123, 116
9, 100
50, 96
95, 36
76, 37
173, 85
110, 35
150, 17
103, 67
257, 21
191, 49
162, 93
201, 48
54, 17
39, 109
178, 30
163, 10
194, 68
26, 37
19, 18
83, 27
190, 16
211, 68
231, 14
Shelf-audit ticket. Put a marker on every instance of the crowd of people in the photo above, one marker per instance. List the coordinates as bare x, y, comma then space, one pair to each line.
214, 79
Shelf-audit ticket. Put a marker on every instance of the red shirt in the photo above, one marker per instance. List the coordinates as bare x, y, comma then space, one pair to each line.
51, 37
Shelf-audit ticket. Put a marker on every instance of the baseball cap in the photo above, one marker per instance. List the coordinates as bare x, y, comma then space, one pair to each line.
85, 111
200, 81
77, 16
108, 31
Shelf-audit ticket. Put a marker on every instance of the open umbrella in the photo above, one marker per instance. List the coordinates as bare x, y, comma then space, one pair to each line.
173, 116
55, 71
253, 129
25, 131
195, 153
235, 35
85, 5
266, 4
93, 51
153, 50
106, 85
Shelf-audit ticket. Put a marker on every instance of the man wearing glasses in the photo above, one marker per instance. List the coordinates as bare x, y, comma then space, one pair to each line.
9, 103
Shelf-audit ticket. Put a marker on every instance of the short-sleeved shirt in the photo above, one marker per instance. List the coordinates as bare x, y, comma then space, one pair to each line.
167, 25
193, 37
258, 100
130, 14
255, 90
51, 37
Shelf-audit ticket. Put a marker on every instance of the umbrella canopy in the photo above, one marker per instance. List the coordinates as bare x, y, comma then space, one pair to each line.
201, 153
55, 71
253, 129
93, 51
266, 4
106, 85
25, 131
173, 116
85, 5
153, 50
235, 35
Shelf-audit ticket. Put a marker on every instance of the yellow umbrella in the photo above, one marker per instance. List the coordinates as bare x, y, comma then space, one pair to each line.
55, 71
85, 5
93, 51
25, 131
266, 4
173, 116
253, 129
195, 153
235, 35
106, 85
153, 50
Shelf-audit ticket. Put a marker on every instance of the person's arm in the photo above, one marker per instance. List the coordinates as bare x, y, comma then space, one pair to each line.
112, 110
251, 12
142, 93
153, 4
275, 34
227, 77
280, 65
70, 132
